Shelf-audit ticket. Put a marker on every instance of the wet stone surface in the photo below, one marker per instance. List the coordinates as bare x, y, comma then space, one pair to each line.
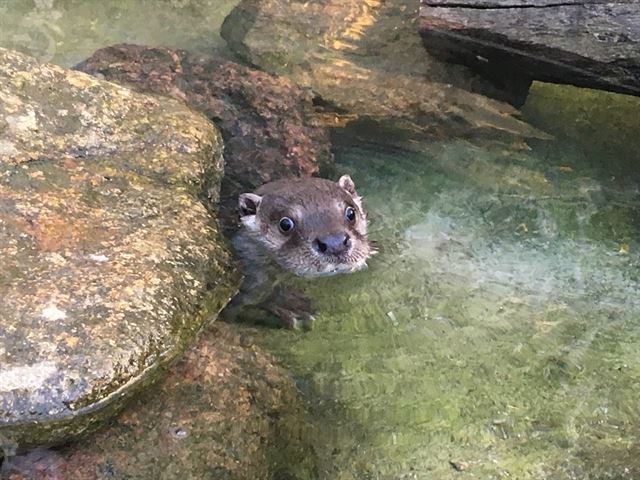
269, 124
588, 43
367, 59
110, 264
223, 412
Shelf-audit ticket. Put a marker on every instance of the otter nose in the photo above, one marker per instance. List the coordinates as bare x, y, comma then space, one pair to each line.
335, 243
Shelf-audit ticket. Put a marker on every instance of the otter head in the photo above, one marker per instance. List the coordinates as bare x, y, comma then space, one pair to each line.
310, 226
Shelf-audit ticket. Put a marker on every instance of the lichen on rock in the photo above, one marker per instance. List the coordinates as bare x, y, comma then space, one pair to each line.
110, 263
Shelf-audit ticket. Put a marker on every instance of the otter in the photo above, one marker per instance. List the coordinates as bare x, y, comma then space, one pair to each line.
308, 227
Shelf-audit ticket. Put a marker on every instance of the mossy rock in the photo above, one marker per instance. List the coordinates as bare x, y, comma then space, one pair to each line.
110, 262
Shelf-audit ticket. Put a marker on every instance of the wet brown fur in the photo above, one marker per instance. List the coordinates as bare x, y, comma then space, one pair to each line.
317, 207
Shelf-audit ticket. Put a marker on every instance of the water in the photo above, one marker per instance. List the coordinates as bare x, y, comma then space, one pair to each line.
68, 31
498, 329
497, 332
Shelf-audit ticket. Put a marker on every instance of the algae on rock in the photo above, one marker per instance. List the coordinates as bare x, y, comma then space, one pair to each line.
348, 53
110, 263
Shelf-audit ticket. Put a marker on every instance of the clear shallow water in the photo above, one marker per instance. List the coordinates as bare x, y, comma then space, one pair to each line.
498, 331
68, 31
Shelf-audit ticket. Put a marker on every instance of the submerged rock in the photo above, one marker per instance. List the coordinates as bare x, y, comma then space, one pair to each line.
588, 43
110, 264
224, 411
266, 122
366, 59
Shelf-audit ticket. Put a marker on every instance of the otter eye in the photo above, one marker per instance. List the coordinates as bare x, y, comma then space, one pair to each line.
286, 224
350, 214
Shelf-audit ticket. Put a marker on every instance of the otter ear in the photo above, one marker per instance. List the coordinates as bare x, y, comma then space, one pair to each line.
346, 183
248, 203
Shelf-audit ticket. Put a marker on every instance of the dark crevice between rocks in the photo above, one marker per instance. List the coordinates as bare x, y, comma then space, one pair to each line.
497, 69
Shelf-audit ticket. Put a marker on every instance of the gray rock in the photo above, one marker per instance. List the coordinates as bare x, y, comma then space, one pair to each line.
110, 263
224, 411
367, 59
588, 43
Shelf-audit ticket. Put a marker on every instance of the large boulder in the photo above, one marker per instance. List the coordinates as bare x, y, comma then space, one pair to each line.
366, 59
110, 263
588, 43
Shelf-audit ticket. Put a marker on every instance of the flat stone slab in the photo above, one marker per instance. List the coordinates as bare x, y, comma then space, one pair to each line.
110, 263
588, 43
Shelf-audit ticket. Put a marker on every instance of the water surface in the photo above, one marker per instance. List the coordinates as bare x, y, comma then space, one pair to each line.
498, 331
68, 31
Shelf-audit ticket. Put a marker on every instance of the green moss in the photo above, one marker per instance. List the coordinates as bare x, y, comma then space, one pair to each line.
604, 124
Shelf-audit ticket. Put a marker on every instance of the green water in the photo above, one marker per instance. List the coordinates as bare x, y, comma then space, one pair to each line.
498, 330
68, 31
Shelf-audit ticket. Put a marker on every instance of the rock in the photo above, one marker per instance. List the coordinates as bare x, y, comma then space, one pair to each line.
588, 43
366, 59
110, 264
266, 122
224, 411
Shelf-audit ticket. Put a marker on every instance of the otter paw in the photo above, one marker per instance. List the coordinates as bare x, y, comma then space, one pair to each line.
293, 309
292, 319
